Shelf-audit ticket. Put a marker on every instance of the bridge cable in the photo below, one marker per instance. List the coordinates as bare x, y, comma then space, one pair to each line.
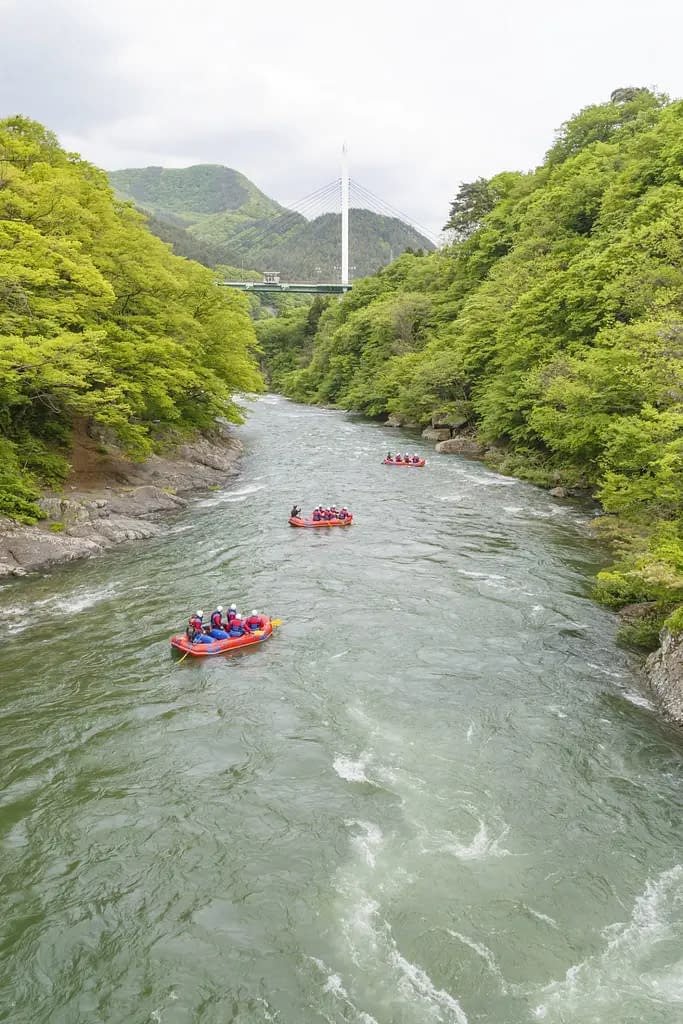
368, 196
309, 207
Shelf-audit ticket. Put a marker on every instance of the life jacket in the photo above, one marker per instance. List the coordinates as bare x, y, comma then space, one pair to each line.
341, 515
415, 458
316, 517
398, 459
216, 620
230, 616
236, 627
254, 622
196, 624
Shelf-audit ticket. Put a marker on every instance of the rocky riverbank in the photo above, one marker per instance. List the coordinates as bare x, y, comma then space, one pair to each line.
664, 667
108, 500
664, 670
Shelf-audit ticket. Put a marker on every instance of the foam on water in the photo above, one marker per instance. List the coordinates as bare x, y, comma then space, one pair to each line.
369, 942
639, 700
334, 986
350, 770
414, 982
541, 917
491, 579
483, 844
600, 984
17, 618
368, 842
229, 497
372, 946
485, 953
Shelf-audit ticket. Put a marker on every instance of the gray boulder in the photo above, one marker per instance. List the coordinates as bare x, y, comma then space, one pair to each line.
461, 446
664, 670
436, 433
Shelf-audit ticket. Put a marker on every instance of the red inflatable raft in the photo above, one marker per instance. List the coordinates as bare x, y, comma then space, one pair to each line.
235, 643
410, 465
295, 521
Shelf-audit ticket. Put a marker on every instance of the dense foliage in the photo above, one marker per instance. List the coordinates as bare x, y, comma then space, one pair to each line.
99, 322
216, 215
189, 193
185, 244
553, 325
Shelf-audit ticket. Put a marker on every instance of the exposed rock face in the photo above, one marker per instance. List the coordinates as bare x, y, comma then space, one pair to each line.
461, 446
630, 614
558, 492
394, 420
664, 671
448, 420
436, 433
87, 521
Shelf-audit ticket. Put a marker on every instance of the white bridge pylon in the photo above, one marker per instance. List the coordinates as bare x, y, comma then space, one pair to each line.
330, 198
345, 216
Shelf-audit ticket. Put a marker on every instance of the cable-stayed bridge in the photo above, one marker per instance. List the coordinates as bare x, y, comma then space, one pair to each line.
340, 196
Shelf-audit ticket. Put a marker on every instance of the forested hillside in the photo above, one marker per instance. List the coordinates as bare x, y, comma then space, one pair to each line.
99, 322
216, 215
186, 194
553, 327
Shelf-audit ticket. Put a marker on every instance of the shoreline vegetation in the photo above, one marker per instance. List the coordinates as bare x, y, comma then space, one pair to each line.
109, 499
103, 331
547, 337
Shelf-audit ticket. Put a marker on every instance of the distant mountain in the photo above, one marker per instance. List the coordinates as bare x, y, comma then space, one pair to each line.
187, 194
215, 215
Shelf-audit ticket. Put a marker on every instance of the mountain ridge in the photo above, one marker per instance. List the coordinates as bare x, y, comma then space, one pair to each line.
219, 214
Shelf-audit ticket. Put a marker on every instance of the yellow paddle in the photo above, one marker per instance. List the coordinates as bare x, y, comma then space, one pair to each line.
273, 622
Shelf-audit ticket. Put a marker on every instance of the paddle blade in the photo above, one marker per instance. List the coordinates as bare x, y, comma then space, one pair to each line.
276, 622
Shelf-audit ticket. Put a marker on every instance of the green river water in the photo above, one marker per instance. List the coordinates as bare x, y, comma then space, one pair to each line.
438, 794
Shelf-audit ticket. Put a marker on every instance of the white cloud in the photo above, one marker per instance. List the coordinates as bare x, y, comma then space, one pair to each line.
427, 95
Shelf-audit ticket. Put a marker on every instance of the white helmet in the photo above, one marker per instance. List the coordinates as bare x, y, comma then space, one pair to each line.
254, 612
200, 615
219, 607
233, 607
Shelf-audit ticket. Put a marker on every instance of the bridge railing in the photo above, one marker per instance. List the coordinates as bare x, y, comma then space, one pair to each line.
293, 287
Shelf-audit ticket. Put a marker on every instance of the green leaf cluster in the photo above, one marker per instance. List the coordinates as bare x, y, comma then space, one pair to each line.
553, 323
99, 321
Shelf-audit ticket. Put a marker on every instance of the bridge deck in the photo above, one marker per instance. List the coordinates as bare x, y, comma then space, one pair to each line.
298, 289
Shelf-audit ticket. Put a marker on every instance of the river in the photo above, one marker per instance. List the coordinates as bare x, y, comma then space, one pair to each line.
438, 793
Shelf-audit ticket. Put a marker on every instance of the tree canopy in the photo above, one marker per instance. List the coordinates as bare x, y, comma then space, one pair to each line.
99, 321
554, 322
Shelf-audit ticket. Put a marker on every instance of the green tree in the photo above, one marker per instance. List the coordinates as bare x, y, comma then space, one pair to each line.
100, 321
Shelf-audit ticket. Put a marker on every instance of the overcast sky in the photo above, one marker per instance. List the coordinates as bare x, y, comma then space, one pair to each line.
427, 94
